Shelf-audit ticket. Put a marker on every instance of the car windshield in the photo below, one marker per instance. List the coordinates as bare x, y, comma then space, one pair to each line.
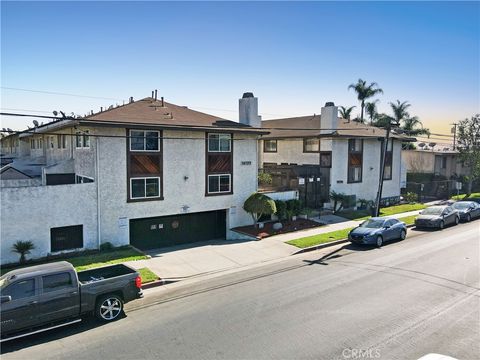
462, 205
432, 211
372, 224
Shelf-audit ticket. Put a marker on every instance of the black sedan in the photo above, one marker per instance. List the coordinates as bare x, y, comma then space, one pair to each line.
376, 231
437, 217
467, 210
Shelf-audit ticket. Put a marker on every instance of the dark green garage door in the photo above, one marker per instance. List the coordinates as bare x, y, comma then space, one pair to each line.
157, 232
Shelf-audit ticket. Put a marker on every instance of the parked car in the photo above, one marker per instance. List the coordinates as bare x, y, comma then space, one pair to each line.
437, 217
43, 297
467, 210
377, 230
476, 200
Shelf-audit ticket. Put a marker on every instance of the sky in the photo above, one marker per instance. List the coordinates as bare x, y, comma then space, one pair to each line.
294, 56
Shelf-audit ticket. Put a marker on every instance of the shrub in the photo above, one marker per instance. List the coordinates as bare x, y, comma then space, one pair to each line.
259, 204
338, 198
265, 178
106, 246
281, 209
411, 197
23, 248
294, 206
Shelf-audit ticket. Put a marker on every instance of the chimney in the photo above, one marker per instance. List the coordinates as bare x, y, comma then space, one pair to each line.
329, 118
248, 110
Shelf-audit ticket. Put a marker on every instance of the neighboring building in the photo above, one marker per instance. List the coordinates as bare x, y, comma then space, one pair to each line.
148, 173
322, 153
438, 161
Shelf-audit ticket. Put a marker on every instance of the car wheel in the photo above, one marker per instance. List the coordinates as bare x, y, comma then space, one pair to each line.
403, 235
441, 225
109, 308
469, 218
379, 241
457, 220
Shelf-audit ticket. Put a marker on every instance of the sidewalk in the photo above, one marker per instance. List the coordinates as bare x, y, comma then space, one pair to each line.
188, 261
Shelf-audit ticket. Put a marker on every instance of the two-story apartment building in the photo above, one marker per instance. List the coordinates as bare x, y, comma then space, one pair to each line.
149, 173
324, 153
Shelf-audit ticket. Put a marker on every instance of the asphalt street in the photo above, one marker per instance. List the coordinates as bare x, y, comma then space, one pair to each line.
401, 301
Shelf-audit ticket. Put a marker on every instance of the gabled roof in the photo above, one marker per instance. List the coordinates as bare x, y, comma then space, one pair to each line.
309, 126
151, 112
8, 172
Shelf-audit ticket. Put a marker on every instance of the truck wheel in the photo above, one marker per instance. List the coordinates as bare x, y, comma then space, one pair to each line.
109, 307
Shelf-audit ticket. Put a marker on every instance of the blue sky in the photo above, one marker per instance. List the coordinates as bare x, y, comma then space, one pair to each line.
294, 56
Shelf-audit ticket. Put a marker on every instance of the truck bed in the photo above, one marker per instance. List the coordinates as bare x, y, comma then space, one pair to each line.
108, 272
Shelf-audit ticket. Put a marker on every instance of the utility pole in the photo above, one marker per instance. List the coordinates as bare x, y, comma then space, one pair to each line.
382, 169
454, 130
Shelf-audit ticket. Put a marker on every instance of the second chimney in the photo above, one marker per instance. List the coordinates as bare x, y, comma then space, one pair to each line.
329, 118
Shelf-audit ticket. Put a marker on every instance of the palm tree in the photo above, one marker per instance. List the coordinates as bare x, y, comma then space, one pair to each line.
411, 124
346, 113
371, 110
400, 112
364, 92
23, 248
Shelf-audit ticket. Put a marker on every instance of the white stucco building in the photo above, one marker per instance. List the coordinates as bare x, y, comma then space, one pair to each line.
148, 173
322, 153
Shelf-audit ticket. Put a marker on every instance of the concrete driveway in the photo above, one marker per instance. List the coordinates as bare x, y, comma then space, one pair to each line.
186, 261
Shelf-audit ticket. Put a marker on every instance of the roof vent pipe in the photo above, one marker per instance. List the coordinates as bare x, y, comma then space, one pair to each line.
152, 94
155, 94
131, 99
163, 104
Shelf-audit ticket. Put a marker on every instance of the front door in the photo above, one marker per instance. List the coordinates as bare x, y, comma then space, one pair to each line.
20, 312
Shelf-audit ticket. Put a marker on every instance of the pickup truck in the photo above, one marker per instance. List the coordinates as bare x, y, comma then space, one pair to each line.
42, 297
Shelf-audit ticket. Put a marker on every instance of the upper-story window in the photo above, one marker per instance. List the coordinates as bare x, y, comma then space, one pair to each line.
62, 141
32, 144
311, 145
387, 170
355, 160
219, 142
270, 146
148, 140
326, 159
82, 139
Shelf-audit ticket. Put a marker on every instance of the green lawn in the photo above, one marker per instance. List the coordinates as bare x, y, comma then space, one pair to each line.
320, 238
147, 275
462, 196
409, 220
386, 211
93, 260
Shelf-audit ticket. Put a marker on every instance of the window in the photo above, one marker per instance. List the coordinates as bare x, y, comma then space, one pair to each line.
444, 162
326, 159
82, 179
56, 282
61, 141
219, 183
145, 187
311, 145
219, 142
144, 140
82, 140
32, 144
270, 146
355, 160
387, 170
66, 238
20, 289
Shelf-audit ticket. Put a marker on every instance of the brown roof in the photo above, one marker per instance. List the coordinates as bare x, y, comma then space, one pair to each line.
309, 126
148, 112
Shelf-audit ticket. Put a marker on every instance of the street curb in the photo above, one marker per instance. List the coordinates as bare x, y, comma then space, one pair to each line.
153, 284
328, 244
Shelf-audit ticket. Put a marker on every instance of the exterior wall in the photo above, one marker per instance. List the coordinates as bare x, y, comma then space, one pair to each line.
20, 183
54, 154
25, 216
367, 189
428, 162
181, 158
291, 151
85, 157
283, 195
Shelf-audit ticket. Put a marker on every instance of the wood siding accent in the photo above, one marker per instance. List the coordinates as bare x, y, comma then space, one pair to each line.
219, 163
144, 164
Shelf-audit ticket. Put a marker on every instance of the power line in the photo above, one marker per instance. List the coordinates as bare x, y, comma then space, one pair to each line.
60, 93
31, 110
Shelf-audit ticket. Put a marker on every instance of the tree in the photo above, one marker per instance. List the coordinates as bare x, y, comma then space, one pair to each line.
371, 110
346, 113
365, 92
414, 127
468, 141
337, 198
258, 205
399, 110
23, 248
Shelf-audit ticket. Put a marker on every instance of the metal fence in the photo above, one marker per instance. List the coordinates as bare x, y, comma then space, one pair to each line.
433, 190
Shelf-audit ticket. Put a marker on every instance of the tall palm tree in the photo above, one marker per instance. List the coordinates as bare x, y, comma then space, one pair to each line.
400, 112
365, 92
413, 126
346, 113
371, 110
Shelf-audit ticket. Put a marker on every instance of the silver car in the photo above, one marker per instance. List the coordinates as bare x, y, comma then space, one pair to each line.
437, 217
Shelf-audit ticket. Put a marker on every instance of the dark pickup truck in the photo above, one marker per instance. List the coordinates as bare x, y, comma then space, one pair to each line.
43, 297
